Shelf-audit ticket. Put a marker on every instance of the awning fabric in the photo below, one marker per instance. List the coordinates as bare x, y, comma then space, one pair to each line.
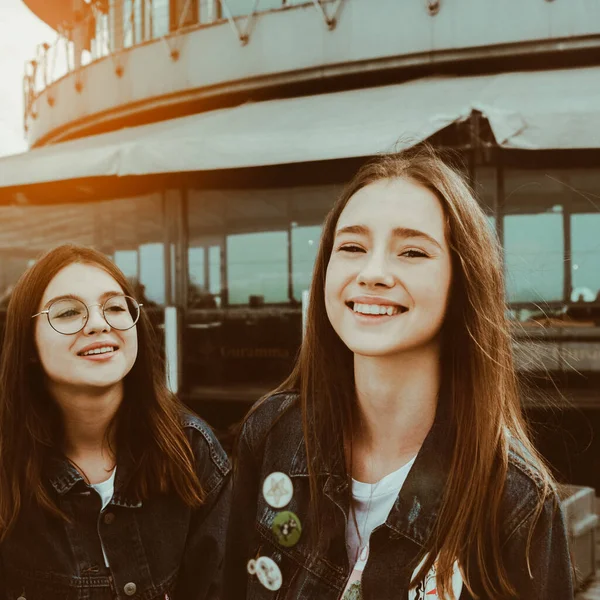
543, 110
526, 110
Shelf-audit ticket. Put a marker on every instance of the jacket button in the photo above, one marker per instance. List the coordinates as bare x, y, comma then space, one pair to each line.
109, 518
130, 589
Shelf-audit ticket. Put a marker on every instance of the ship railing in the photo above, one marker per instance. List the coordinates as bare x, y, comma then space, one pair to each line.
105, 28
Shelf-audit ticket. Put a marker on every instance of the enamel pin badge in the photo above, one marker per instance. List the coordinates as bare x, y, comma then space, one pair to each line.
278, 490
287, 528
266, 571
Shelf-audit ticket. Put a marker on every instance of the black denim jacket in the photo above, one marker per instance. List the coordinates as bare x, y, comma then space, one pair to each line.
394, 546
158, 549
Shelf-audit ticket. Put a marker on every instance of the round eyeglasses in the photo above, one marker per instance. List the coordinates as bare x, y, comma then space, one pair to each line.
70, 315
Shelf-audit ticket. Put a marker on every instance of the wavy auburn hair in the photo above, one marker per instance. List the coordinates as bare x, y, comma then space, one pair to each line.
147, 425
478, 378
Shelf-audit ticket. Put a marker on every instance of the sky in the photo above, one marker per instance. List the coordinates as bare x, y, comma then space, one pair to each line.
20, 32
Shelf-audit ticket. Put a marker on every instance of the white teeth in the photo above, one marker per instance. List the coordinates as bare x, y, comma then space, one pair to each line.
375, 309
102, 350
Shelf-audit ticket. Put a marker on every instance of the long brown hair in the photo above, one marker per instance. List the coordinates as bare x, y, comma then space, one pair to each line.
147, 426
478, 378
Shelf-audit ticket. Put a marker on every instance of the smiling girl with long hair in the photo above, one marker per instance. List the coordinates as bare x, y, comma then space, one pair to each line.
394, 461
108, 487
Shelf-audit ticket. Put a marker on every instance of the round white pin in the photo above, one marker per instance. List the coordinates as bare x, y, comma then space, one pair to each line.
266, 571
278, 490
251, 566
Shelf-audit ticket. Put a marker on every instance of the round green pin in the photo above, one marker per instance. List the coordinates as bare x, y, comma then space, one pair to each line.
286, 528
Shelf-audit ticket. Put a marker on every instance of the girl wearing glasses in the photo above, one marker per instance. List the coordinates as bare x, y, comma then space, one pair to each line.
394, 461
108, 488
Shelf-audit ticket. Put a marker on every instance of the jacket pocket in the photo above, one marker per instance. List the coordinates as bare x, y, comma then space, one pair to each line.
49, 586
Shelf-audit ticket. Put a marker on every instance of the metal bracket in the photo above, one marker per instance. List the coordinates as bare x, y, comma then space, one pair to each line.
331, 22
173, 42
242, 34
433, 6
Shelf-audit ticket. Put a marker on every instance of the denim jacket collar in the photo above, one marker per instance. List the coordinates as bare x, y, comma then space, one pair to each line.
299, 466
415, 511
63, 477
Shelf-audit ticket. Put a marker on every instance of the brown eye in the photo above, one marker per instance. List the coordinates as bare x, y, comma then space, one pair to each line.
414, 254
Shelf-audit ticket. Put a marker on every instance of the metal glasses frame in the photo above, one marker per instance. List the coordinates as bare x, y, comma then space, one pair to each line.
87, 315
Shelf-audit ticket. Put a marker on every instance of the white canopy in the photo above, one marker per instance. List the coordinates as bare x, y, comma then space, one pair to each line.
556, 109
543, 110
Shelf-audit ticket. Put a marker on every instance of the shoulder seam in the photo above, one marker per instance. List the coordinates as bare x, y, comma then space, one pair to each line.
287, 396
192, 422
519, 463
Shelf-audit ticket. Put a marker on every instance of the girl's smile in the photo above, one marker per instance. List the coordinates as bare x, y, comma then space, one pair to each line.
99, 351
372, 309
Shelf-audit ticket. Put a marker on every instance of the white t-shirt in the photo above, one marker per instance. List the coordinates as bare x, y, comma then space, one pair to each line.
106, 489
372, 503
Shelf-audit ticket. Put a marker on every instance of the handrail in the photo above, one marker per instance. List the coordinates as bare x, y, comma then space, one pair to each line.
106, 28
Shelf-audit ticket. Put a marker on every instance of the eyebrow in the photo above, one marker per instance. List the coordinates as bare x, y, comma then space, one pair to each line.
400, 232
102, 298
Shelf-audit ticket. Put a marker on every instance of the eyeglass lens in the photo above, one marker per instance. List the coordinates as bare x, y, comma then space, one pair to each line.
70, 315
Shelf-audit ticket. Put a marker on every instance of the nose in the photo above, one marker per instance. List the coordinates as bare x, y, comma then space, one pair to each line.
375, 271
96, 322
